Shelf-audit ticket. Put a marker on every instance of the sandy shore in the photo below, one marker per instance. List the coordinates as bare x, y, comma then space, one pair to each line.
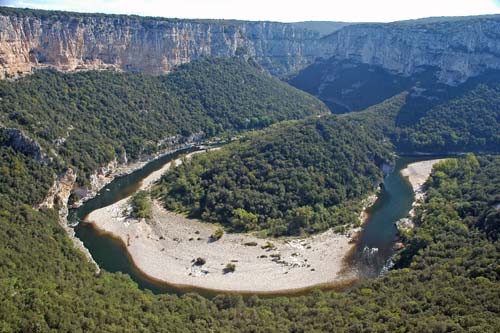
417, 174
113, 170
166, 247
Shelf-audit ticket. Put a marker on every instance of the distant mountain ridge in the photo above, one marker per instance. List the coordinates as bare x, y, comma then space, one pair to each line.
459, 48
31, 39
324, 28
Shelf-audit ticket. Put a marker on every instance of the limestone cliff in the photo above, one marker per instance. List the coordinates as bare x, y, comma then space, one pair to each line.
71, 41
458, 48
22, 143
59, 193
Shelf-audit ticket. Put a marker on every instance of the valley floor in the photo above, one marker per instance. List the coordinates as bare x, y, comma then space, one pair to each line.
166, 246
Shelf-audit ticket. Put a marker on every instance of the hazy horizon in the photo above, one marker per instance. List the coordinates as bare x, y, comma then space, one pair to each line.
279, 10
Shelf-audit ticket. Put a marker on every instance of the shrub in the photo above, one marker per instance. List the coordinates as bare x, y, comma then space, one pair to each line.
141, 205
269, 246
217, 234
200, 261
230, 268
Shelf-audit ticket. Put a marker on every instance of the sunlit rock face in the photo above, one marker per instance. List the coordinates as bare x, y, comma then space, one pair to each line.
458, 48
148, 45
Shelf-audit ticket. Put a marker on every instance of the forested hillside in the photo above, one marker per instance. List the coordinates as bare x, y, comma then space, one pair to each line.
410, 87
86, 119
347, 86
438, 120
292, 178
450, 283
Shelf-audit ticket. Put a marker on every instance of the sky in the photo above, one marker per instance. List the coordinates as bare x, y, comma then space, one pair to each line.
275, 10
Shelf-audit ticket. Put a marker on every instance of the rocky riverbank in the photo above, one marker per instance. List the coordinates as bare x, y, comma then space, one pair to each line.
179, 251
417, 174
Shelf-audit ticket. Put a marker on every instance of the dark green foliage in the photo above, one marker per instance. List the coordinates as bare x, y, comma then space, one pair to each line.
22, 179
89, 118
230, 268
200, 261
438, 120
147, 21
467, 119
218, 233
141, 205
451, 284
294, 177
433, 117
479, 193
461, 213
345, 86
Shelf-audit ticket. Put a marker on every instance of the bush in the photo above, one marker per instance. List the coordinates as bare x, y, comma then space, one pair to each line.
217, 234
141, 205
200, 261
230, 268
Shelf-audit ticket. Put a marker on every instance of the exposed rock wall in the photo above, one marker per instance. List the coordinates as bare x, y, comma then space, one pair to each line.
151, 45
58, 196
458, 49
59, 193
22, 143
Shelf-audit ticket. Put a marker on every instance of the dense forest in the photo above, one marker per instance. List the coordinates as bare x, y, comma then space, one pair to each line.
464, 118
430, 116
295, 177
447, 279
347, 86
87, 119
468, 119
292, 178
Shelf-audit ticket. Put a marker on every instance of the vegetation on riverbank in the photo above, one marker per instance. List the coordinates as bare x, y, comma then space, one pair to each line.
313, 171
292, 178
141, 205
87, 119
452, 273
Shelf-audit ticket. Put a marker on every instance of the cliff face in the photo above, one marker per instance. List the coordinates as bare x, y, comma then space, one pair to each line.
22, 143
147, 45
59, 192
457, 48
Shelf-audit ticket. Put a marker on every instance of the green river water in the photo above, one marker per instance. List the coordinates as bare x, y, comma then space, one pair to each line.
373, 251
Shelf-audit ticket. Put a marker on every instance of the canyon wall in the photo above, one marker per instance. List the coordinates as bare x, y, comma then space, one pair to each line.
71, 41
457, 47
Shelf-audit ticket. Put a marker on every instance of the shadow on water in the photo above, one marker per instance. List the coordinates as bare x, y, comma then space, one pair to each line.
375, 247
108, 252
371, 255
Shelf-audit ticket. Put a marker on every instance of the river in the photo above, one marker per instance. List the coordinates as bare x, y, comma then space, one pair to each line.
373, 251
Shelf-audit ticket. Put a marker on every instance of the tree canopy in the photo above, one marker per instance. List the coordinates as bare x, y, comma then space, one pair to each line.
292, 178
447, 280
87, 119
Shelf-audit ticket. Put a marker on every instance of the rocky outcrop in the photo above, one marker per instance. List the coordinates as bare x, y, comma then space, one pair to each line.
59, 193
458, 48
404, 225
29, 39
71, 41
22, 143
58, 197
